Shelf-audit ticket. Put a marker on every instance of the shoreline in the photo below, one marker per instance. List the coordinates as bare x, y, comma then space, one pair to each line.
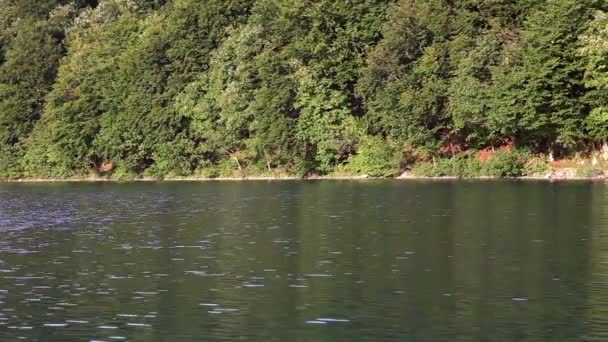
293, 178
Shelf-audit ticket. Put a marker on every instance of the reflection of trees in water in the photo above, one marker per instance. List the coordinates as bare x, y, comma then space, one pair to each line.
597, 314
534, 256
518, 264
449, 265
408, 261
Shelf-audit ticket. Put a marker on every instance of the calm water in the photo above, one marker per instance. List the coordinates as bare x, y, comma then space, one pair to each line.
304, 261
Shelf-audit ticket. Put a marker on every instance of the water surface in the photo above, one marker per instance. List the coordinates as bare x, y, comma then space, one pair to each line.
304, 261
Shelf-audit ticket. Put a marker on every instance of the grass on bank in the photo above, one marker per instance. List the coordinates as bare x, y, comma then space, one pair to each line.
501, 164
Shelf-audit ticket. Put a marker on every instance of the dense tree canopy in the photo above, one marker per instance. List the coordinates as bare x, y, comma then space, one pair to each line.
182, 87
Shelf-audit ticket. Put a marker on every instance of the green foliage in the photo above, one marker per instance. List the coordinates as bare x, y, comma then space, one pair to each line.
26, 76
536, 166
589, 171
279, 91
172, 159
505, 164
375, 157
501, 164
188, 87
404, 82
553, 106
10, 167
458, 166
594, 50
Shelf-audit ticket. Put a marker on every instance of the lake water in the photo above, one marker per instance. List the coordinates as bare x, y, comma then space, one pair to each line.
304, 261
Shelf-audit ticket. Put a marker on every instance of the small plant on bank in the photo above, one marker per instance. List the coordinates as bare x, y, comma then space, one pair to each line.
505, 164
124, 172
9, 163
536, 166
502, 163
463, 166
376, 157
589, 171
172, 160
423, 169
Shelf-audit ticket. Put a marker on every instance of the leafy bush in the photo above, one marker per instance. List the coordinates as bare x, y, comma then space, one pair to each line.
172, 159
423, 169
589, 171
457, 166
10, 167
467, 166
535, 166
505, 164
225, 167
375, 157
125, 171
501, 164
211, 172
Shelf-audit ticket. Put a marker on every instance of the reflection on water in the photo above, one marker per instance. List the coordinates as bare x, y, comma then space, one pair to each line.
305, 261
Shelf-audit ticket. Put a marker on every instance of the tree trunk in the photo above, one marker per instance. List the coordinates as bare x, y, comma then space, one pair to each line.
238, 164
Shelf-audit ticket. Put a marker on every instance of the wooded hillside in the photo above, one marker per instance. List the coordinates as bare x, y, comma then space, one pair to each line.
183, 87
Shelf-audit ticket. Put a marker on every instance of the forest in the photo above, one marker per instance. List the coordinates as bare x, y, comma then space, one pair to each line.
170, 88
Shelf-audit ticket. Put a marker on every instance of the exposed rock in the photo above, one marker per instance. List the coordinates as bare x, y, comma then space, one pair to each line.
406, 175
563, 173
106, 167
